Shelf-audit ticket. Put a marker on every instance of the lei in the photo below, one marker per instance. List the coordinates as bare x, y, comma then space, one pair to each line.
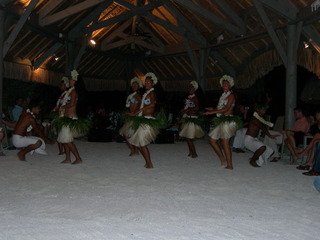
129, 98
31, 113
262, 120
143, 98
65, 98
188, 101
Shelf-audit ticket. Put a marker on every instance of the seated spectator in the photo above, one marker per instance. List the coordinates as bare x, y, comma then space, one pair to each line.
8, 122
261, 151
315, 171
294, 136
1, 138
17, 109
315, 132
26, 123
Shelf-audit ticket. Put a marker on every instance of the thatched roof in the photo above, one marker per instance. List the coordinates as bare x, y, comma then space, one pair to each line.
178, 40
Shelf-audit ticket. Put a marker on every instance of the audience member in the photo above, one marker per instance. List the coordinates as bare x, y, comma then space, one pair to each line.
17, 109
294, 136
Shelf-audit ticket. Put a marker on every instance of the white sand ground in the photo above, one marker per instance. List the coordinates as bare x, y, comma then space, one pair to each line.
112, 196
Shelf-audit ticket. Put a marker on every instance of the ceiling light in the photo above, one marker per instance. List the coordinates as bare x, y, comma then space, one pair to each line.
93, 42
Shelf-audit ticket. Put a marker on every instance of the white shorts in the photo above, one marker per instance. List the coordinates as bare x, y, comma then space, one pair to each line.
24, 141
253, 144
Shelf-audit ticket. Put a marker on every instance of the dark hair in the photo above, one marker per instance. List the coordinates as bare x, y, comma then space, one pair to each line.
35, 103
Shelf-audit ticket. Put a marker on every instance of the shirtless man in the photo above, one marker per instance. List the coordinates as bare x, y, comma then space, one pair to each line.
261, 151
26, 123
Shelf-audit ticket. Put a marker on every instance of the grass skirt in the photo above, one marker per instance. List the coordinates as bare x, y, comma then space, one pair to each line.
71, 128
191, 131
126, 129
225, 127
143, 136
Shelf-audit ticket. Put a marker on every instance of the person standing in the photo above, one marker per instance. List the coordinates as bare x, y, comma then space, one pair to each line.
70, 125
147, 129
64, 84
225, 124
133, 103
190, 127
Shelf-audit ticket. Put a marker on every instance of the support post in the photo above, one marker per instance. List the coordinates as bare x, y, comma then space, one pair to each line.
291, 77
2, 20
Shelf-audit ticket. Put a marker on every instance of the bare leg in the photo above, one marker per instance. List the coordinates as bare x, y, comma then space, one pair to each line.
256, 155
227, 153
292, 150
146, 154
133, 149
67, 152
23, 152
192, 148
61, 148
75, 152
217, 149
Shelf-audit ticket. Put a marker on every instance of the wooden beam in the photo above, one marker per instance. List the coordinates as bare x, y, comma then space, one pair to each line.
223, 63
5, 2
47, 54
49, 7
231, 14
313, 34
155, 39
134, 11
271, 31
68, 12
181, 19
18, 27
211, 17
193, 59
282, 7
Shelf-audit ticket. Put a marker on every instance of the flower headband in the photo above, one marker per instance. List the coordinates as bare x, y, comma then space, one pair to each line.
136, 80
65, 81
194, 84
228, 79
152, 76
74, 75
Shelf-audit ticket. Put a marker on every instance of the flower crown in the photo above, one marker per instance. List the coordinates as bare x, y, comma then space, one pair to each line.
137, 80
152, 76
194, 84
260, 106
227, 78
74, 75
65, 80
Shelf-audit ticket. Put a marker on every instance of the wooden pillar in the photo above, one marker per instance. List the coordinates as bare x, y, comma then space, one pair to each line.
291, 77
2, 20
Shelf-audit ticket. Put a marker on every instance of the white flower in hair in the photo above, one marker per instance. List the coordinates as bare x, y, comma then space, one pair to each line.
194, 84
65, 80
227, 78
152, 76
74, 75
137, 80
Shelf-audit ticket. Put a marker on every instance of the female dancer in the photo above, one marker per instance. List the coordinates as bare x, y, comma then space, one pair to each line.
225, 125
132, 104
146, 132
70, 122
64, 84
190, 127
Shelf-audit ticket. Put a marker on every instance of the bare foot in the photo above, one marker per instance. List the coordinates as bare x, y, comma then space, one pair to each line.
148, 165
133, 153
224, 163
189, 155
60, 153
229, 167
2, 154
21, 156
294, 159
66, 161
253, 163
77, 161
194, 155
